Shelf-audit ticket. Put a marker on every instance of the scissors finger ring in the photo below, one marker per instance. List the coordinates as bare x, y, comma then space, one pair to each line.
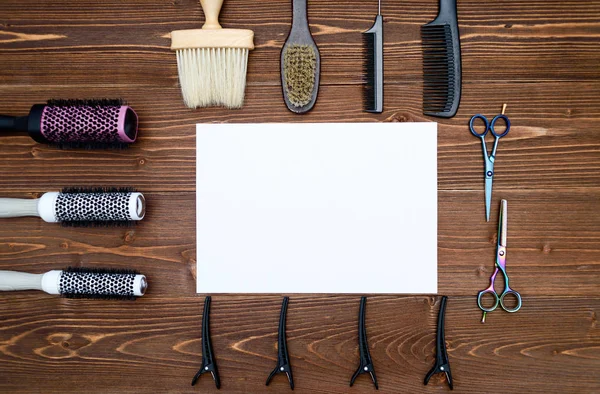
517, 297
493, 125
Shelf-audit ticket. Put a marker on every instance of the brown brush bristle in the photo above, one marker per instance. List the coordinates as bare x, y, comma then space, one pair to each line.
300, 66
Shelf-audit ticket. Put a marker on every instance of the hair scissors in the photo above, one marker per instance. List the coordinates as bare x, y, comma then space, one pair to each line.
500, 267
489, 160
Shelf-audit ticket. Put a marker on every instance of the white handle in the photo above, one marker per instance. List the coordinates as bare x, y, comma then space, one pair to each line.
13, 280
17, 207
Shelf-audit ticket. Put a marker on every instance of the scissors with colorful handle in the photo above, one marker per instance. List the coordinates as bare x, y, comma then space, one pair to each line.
499, 299
489, 160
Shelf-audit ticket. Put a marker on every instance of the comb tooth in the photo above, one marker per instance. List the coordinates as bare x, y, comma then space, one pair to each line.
439, 81
436, 89
439, 87
369, 71
441, 63
373, 67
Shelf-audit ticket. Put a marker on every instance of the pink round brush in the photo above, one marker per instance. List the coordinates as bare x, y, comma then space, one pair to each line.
77, 123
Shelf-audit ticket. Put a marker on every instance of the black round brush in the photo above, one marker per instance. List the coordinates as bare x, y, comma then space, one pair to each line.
103, 123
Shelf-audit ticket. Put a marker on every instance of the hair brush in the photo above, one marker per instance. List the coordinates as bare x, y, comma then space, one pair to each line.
79, 283
300, 63
80, 207
441, 63
77, 123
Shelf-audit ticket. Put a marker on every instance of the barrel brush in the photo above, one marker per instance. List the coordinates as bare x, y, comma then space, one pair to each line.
80, 207
91, 124
96, 283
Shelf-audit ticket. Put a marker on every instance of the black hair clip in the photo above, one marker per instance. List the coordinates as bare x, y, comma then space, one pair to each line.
209, 363
283, 359
441, 357
366, 364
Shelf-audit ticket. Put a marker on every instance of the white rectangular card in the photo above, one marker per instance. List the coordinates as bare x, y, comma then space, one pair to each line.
316, 208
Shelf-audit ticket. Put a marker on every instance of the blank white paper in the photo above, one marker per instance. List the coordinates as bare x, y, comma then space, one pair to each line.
316, 208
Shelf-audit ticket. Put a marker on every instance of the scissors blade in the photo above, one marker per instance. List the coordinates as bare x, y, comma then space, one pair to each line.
503, 223
488, 196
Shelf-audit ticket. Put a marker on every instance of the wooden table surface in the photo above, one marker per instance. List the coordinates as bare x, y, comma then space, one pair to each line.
540, 57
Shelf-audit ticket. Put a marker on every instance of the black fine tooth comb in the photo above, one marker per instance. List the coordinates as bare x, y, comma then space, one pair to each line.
373, 65
441, 63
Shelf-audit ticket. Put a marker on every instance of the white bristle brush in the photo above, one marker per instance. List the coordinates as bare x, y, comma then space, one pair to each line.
79, 283
80, 207
212, 61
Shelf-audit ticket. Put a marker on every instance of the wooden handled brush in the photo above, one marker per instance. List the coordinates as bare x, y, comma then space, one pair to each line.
212, 61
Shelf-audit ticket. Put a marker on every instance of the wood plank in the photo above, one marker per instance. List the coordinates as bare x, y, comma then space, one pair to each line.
100, 43
154, 344
549, 254
551, 145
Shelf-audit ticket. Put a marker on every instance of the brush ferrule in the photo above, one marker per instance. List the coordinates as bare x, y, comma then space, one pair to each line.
51, 282
220, 38
46, 207
34, 123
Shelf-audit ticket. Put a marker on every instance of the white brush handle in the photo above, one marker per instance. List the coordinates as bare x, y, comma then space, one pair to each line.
211, 8
14, 281
18, 207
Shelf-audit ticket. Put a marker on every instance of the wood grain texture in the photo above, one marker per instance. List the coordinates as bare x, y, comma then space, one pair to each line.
154, 344
541, 57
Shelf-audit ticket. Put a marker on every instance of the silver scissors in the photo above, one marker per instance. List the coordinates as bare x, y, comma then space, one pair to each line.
489, 160
500, 267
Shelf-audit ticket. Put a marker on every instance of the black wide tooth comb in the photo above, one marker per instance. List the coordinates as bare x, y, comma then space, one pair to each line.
441, 63
373, 66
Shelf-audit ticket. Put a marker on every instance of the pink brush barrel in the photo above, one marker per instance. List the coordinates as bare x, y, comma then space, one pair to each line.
95, 123
89, 124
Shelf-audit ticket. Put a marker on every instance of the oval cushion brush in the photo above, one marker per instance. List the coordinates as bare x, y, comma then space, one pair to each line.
300, 63
77, 123
80, 207
212, 61
79, 283
441, 63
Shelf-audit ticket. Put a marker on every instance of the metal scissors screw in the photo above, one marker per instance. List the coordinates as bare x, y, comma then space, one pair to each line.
366, 364
500, 267
209, 363
283, 360
489, 160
